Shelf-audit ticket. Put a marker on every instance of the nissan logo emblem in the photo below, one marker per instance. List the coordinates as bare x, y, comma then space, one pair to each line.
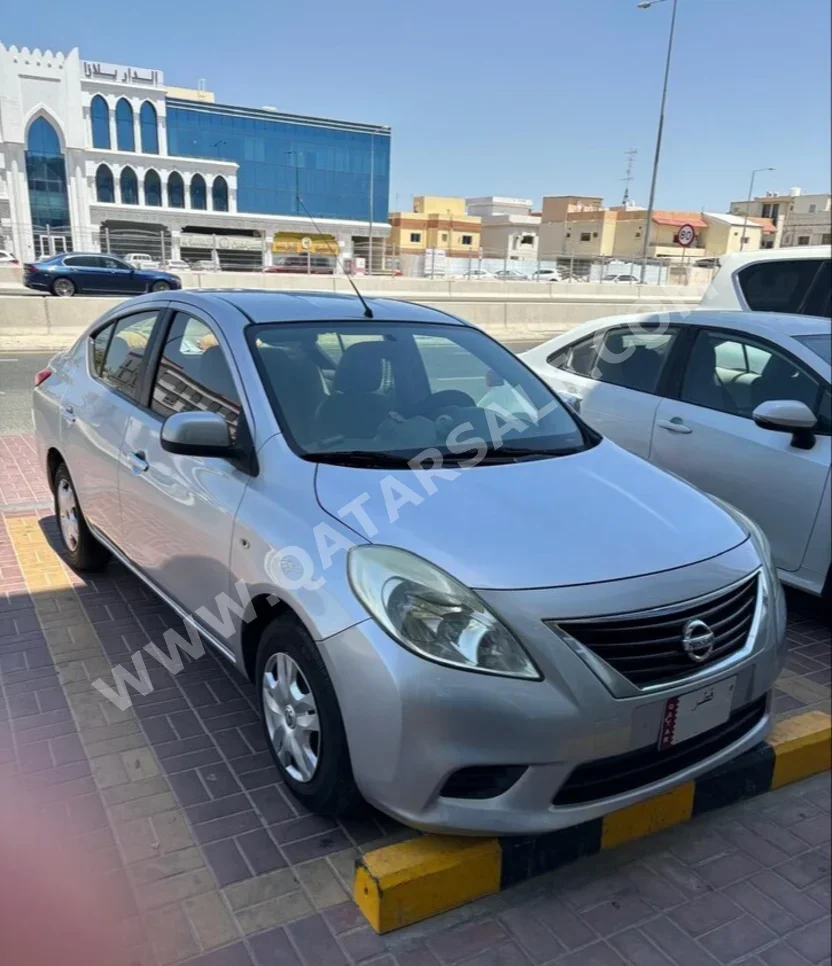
697, 640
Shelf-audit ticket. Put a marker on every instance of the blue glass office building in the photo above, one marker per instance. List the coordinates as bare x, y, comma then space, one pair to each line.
334, 166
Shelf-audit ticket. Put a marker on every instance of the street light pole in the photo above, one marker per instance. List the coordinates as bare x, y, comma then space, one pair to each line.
754, 174
646, 5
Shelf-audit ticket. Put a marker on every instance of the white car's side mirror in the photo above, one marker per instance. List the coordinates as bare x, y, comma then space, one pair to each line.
788, 416
571, 400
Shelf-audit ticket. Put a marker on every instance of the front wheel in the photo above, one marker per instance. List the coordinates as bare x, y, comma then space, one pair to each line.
160, 287
63, 287
83, 551
302, 720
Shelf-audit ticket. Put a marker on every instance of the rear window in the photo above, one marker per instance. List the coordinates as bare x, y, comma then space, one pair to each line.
821, 345
778, 286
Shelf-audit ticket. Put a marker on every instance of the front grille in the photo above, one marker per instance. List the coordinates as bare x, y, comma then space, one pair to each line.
648, 649
607, 777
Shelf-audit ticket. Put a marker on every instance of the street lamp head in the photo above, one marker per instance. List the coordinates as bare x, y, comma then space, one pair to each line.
647, 4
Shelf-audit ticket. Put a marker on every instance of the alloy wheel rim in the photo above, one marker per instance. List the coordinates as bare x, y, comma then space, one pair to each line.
63, 287
160, 287
291, 717
68, 514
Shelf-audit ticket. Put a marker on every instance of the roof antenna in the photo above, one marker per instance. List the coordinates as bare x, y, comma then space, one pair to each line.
368, 312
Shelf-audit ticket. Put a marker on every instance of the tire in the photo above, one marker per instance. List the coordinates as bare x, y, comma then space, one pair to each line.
83, 551
329, 787
64, 287
160, 287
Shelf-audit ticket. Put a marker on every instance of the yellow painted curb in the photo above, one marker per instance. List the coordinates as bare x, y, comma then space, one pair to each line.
802, 747
402, 884
645, 818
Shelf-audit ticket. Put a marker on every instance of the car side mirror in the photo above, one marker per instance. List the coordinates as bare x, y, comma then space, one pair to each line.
788, 416
197, 434
571, 400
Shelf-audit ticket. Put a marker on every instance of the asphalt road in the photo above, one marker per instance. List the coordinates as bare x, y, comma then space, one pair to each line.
17, 376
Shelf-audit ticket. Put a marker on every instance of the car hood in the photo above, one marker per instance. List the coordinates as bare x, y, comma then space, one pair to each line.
599, 515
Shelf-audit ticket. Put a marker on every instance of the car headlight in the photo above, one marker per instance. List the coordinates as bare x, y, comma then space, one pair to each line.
758, 538
432, 614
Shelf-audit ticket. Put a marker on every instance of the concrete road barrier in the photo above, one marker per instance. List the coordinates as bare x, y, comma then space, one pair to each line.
403, 884
46, 322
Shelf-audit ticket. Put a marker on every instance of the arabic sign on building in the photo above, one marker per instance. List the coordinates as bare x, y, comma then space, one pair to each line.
295, 242
119, 74
233, 243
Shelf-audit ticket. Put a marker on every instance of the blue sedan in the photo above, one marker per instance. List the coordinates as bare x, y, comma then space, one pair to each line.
94, 274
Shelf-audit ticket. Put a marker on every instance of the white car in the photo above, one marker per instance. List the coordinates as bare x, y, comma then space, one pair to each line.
7, 257
475, 273
176, 265
737, 403
546, 275
511, 275
795, 280
625, 279
141, 260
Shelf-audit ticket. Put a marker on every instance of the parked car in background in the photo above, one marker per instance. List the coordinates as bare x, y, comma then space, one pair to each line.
547, 275
475, 273
141, 260
176, 265
794, 280
205, 265
7, 257
79, 274
625, 630
303, 264
738, 403
511, 275
614, 277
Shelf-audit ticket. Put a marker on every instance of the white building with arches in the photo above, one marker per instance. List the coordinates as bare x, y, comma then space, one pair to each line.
96, 156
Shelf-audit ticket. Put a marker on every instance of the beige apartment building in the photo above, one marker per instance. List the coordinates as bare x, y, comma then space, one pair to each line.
581, 227
798, 218
436, 223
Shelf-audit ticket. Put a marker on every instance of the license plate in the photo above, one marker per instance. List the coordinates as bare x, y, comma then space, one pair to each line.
689, 715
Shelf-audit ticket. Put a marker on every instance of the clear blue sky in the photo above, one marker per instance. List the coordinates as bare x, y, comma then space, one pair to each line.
500, 97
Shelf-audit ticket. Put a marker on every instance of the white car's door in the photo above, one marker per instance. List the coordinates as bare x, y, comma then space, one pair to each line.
708, 437
616, 374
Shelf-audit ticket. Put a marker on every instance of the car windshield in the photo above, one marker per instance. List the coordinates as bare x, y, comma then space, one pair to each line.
382, 393
820, 344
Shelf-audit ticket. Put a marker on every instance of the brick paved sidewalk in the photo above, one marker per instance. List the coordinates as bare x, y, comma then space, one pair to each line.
206, 859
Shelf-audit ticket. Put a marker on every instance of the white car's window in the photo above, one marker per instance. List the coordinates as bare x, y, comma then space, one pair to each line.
738, 389
194, 375
778, 286
633, 359
125, 352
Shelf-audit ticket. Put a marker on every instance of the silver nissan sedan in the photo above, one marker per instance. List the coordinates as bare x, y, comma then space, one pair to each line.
453, 597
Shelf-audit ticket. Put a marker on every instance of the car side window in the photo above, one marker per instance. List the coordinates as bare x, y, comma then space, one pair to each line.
122, 362
100, 341
734, 375
194, 374
81, 261
578, 358
778, 286
819, 301
107, 262
634, 358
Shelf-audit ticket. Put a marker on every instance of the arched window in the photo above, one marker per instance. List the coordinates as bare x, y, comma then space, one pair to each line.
176, 190
46, 178
125, 135
129, 187
153, 189
219, 194
104, 188
149, 128
199, 197
100, 120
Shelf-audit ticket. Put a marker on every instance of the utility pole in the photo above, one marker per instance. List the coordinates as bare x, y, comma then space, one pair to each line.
372, 213
754, 174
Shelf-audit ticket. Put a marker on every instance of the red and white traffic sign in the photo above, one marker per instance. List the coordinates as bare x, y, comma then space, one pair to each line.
686, 236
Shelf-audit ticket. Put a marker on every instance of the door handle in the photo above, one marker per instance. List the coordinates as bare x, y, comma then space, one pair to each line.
674, 425
68, 414
138, 462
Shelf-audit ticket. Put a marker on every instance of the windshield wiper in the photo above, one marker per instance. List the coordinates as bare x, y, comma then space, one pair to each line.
516, 454
361, 457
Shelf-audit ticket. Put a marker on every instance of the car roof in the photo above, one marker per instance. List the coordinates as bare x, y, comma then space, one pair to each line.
737, 259
261, 307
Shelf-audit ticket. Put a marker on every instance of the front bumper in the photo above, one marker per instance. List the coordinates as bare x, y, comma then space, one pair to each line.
411, 724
